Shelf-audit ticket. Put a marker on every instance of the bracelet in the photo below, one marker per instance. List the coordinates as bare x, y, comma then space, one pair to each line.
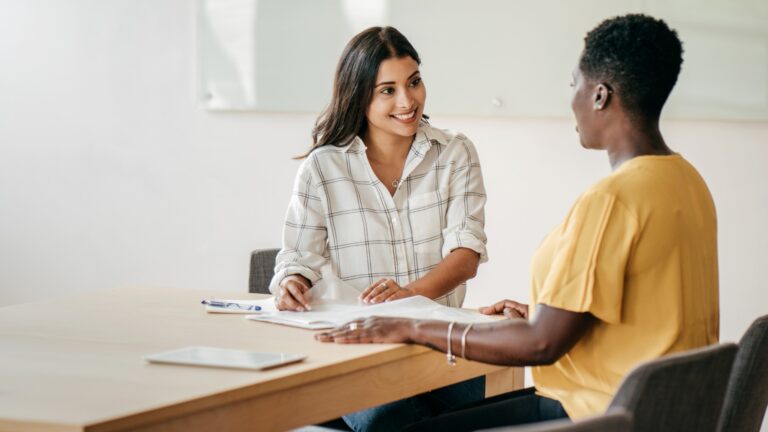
464, 341
448, 355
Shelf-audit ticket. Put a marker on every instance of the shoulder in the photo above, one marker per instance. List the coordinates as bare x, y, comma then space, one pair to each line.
444, 137
452, 144
325, 157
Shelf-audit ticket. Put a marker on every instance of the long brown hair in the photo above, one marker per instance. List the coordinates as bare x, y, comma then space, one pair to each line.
353, 84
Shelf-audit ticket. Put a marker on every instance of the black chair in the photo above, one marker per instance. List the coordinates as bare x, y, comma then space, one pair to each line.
747, 395
616, 420
680, 392
262, 270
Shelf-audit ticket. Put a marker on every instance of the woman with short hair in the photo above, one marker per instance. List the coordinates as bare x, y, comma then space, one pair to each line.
630, 274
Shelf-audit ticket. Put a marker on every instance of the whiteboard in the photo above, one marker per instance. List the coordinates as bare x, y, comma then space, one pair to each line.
479, 58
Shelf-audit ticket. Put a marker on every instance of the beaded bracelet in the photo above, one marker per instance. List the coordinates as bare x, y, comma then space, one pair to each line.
448, 355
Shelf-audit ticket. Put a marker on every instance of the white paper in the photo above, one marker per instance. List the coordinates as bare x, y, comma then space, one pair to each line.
335, 303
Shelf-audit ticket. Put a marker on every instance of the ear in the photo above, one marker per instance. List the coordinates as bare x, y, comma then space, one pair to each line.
602, 96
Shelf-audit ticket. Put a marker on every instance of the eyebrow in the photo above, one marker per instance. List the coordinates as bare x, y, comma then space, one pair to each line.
392, 82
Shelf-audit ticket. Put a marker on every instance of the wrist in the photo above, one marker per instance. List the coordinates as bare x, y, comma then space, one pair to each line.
416, 332
412, 288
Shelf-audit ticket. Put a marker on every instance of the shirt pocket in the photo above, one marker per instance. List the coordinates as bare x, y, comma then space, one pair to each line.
427, 216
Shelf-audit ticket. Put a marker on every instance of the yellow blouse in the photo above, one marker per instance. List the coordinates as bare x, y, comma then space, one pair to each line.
638, 250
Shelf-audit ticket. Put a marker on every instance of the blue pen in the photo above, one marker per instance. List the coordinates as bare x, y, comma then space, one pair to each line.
231, 305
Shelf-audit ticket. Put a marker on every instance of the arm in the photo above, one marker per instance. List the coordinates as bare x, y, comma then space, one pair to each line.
458, 267
304, 250
513, 342
463, 236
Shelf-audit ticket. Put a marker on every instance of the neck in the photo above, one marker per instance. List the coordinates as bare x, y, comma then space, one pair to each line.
632, 138
386, 148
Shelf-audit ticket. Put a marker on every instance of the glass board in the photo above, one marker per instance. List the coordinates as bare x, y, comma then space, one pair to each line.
479, 58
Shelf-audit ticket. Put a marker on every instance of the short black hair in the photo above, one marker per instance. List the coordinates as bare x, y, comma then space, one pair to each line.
638, 56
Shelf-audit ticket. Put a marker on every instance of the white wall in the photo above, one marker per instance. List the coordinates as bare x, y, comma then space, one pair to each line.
110, 175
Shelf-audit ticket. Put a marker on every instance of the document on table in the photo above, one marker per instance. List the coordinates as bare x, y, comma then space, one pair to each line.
335, 303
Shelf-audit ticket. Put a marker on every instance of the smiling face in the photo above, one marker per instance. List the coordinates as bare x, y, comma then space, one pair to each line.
398, 99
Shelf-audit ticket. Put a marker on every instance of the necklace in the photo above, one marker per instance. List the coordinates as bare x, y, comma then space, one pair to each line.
395, 183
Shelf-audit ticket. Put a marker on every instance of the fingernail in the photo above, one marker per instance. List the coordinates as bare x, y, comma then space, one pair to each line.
309, 308
300, 309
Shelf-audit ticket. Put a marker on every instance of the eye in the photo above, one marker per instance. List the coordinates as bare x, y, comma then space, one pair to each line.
387, 90
416, 82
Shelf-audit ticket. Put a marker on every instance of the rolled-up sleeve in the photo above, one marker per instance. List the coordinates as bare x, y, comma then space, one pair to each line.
465, 222
304, 250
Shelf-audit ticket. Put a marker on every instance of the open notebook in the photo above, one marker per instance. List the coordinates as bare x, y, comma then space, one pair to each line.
335, 303
324, 316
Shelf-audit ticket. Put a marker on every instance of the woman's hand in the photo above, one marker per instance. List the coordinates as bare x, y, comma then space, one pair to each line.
510, 309
385, 290
371, 330
292, 294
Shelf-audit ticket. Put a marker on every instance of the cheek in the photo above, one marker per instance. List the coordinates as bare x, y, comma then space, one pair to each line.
376, 109
421, 95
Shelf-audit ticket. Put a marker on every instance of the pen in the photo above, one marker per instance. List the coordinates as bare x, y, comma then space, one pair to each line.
231, 305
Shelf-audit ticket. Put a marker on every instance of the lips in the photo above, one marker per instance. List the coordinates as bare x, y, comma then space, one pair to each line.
405, 117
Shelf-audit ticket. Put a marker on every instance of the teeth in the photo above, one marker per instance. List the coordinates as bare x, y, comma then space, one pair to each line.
405, 116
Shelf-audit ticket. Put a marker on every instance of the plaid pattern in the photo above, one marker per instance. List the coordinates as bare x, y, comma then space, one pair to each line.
341, 214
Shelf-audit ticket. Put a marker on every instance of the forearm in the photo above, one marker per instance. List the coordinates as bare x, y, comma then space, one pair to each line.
510, 342
456, 268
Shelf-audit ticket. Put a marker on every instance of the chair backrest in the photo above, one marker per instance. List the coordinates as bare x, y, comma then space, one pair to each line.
262, 270
680, 392
615, 420
747, 395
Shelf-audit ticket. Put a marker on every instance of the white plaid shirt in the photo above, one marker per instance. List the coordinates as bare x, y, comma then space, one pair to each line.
341, 214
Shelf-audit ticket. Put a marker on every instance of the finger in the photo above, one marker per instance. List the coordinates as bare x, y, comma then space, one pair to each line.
514, 313
493, 309
347, 339
520, 308
287, 302
298, 294
378, 289
384, 295
368, 290
323, 337
487, 310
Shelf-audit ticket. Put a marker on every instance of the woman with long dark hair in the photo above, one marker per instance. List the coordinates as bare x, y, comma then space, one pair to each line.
394, 206
631, 273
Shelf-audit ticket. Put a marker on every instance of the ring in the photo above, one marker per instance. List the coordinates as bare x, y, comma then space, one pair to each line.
383, 284
353, 326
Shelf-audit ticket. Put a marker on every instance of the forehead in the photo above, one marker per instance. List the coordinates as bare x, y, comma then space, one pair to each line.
395, 68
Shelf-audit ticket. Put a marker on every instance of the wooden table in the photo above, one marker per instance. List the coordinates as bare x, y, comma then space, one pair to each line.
75, 364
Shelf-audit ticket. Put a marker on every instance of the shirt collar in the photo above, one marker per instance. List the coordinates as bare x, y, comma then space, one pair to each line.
425, 138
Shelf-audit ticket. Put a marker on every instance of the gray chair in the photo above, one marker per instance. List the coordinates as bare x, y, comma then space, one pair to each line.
262, 270
615, 420
680, 392
747, 395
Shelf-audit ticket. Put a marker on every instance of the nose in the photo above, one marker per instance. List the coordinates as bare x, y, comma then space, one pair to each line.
405, 99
